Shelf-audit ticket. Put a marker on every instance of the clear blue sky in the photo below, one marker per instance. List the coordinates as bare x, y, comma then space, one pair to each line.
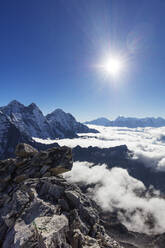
49, 49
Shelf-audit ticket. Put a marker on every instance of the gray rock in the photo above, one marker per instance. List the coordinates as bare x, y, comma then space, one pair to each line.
24, 150
40, 214
53, 230
19, 236
63, 204
73, 198
49, 212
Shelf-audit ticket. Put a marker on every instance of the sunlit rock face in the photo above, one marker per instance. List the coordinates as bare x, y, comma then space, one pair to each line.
39, 209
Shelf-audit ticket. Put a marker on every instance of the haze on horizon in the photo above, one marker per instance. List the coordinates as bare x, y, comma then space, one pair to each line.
90, 58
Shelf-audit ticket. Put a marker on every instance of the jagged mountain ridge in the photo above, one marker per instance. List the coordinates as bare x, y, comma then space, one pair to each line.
30, 120
129, 122
66, 123
19, 123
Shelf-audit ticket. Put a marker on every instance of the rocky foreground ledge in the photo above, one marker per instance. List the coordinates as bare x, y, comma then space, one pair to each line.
40, 209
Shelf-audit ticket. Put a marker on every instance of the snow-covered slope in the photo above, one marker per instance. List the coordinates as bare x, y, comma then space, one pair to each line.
65, 124
29, 120
129, 122
19, 123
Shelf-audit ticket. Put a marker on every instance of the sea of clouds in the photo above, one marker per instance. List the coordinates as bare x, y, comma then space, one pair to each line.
115, 189
148, 144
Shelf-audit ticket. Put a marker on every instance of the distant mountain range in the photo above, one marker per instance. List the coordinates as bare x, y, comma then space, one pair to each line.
19, 123
129, 122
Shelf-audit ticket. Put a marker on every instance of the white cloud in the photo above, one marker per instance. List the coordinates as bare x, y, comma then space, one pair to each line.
148, 144
115, 188
161, 165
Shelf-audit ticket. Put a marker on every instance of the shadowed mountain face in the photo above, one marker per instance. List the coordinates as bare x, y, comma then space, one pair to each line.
10, 136
19, 123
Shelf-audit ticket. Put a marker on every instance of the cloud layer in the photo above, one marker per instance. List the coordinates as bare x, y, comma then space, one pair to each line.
148, 143
116, 189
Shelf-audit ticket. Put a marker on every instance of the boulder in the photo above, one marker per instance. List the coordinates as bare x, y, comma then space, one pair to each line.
24, 150
33, 164
52, 231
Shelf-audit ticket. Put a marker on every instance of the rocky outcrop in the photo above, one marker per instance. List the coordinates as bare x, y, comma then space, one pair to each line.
49, 212
31, 163
38, 209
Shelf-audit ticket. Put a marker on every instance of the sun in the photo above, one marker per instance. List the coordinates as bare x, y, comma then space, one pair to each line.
113, 66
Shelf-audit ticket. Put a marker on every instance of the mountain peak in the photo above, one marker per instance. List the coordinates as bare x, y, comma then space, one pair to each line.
120, 117
33, 106
15, 102
99, 121
12, 107
58, 110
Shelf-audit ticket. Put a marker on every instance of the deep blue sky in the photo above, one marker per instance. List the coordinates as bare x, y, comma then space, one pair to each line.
49, 50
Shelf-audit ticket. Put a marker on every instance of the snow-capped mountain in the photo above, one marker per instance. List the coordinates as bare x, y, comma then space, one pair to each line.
29, 120
129, 122
65, 124
19, 123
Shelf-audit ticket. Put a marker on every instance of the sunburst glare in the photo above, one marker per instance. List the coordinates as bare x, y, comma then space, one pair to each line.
113, 66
